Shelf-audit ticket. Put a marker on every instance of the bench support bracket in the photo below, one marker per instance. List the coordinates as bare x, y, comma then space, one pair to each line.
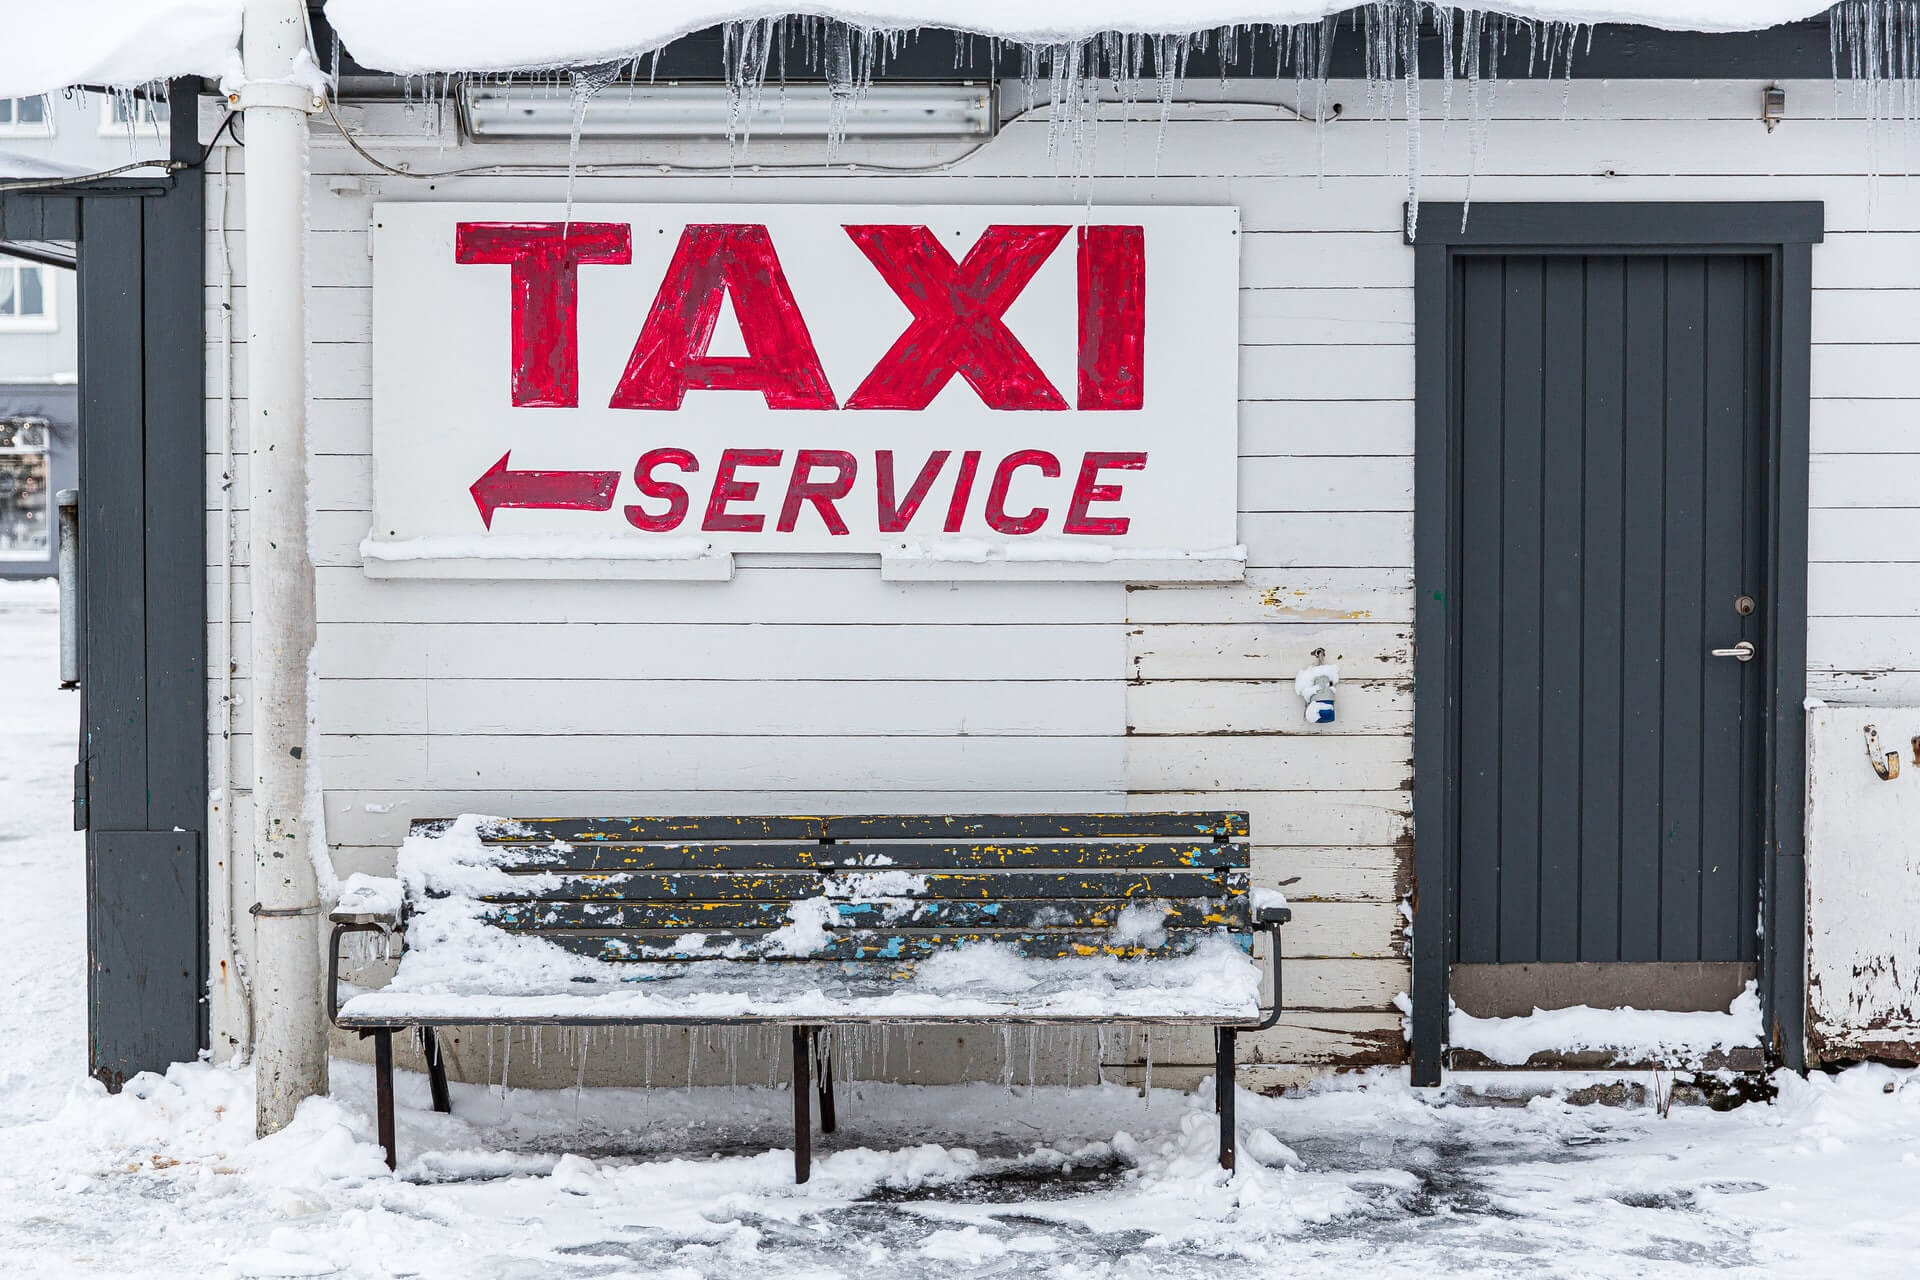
436, 1071
1223, 1044
383, 1091
823, 1067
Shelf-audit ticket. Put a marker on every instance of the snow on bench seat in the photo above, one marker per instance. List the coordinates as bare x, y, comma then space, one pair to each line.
1023, 918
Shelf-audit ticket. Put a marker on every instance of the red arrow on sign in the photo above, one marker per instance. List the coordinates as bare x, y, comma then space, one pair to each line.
553, 490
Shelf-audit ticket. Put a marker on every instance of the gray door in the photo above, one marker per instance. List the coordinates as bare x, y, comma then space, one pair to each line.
1611, 419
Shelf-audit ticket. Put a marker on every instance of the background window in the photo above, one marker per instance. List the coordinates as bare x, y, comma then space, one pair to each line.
26, 494
26, 296
26, 115
124, 115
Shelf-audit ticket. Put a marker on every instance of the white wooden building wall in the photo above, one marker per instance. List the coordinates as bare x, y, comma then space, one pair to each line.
810, 685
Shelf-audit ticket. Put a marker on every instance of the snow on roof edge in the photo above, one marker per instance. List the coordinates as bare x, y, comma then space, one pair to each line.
424, 36
131, 42
52, 45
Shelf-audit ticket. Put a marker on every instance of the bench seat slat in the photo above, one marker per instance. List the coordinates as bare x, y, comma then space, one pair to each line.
1033, 913
620, 947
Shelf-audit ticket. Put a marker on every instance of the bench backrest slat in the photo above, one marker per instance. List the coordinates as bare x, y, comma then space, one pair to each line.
989, 826
1027, 914
862, 945
895, 888
945, 855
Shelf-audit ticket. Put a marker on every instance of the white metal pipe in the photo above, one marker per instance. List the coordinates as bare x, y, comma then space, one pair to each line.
290, 1034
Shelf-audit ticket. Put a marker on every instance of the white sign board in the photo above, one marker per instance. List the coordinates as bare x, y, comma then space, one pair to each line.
644, 390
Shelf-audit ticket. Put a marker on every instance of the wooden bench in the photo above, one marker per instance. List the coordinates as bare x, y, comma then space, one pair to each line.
657, 903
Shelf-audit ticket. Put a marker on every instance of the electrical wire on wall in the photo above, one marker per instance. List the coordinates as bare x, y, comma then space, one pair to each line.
645, 169
235, 953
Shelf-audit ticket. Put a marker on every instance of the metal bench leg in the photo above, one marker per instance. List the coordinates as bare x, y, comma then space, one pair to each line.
802, 1105
1223, 1039
436, 1071
383, 1091
823, 1052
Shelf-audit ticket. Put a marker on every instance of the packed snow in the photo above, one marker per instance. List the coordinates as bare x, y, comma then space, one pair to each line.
1632, 1035
1358, 1175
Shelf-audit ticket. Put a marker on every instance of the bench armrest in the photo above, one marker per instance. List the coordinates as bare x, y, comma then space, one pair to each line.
366, 899
1267, 920
381, 924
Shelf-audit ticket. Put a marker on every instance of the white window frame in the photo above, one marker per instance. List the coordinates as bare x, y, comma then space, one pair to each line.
143, 123
14, 129
48, 321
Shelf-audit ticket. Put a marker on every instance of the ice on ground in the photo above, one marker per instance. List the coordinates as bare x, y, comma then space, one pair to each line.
1360, 1174
1632, 1035
166, 1181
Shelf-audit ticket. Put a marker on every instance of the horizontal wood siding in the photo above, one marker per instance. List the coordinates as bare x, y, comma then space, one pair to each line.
813, 686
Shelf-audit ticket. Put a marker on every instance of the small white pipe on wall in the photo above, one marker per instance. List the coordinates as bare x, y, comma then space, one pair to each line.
290, 1033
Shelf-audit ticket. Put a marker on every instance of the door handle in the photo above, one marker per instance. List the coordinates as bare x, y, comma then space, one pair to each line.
1742, 652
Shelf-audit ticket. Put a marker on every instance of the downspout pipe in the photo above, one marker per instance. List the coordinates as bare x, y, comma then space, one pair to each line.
276, 97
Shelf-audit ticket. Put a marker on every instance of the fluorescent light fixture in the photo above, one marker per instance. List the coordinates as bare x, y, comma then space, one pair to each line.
693, 111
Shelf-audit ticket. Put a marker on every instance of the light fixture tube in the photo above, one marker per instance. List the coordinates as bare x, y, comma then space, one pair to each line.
694, 111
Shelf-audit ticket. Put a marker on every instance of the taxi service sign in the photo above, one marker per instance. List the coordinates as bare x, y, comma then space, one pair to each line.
647, 390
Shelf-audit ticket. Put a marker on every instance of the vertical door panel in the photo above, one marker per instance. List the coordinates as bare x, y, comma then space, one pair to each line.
1603, 685
1610, 416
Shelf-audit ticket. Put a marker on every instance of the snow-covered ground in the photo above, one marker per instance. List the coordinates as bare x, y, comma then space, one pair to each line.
1359, 1176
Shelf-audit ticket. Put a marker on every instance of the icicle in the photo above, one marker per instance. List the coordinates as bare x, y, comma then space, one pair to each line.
579, 1080
840, 83
1146, 1088
1410, 55
584, 84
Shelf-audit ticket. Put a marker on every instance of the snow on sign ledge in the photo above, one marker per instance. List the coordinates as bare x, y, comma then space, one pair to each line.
412, 36
648, 390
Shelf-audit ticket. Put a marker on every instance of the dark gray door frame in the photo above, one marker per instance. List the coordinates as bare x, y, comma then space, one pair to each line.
141, 788
1782, 235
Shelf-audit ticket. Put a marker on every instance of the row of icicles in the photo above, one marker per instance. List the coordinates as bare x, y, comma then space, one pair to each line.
1874, 45
1875, 55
